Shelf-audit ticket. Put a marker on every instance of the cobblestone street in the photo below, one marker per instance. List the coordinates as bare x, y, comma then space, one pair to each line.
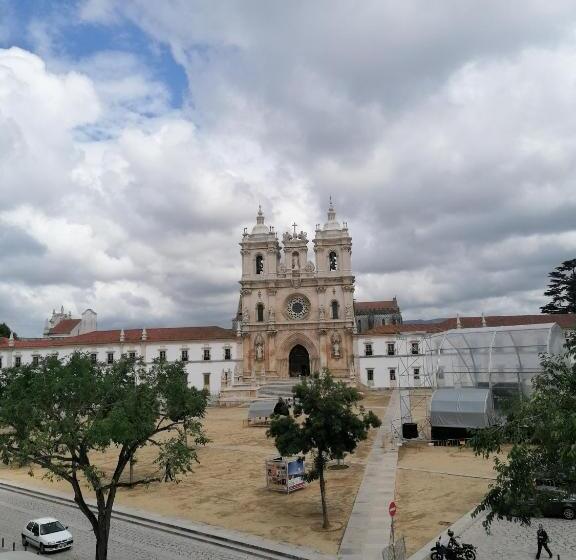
511, 541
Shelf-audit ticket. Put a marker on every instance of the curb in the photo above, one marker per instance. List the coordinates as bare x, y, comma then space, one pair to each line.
209, 534
458, 527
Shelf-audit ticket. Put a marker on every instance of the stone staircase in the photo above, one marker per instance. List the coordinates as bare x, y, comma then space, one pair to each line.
276, 389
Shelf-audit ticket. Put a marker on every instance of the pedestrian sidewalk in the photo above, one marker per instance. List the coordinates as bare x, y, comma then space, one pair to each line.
368, 529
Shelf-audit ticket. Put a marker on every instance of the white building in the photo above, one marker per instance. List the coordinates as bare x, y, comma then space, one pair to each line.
212, 354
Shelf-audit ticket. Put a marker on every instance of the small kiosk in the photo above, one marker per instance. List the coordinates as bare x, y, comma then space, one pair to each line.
285, 474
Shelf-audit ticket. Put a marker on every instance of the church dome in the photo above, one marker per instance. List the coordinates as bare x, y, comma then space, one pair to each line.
259, 227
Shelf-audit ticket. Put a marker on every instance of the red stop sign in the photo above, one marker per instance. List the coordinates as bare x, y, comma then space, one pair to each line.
392, 509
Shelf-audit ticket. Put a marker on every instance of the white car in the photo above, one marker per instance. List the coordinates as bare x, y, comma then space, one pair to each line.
46, 534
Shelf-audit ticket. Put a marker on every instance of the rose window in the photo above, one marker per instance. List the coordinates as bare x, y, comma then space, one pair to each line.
298, 307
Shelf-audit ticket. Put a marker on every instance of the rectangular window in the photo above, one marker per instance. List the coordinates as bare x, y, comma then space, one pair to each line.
227, 353
206, 377
206, 354
131, 355
370, 375
368, 349
162, 355
35, 360
392, 374
17, 361
184, 355
94, 357
110, 357
391, 349
416, 373
415, 348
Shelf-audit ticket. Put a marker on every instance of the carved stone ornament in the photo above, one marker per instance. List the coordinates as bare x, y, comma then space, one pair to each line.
245, 291
245, 315
321, 313
348, 312
309, 267
321, 289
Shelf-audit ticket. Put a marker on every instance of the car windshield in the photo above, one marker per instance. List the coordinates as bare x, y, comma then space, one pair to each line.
52, 527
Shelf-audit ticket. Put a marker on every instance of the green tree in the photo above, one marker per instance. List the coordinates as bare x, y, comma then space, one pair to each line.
5, 331
562, 289
59, 414
539, 436
332, 425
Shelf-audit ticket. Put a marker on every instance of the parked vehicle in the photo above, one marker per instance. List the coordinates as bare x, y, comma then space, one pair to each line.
456, 551
553, 501
46, 534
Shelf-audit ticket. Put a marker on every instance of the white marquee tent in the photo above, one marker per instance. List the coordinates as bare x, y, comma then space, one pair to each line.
491, 357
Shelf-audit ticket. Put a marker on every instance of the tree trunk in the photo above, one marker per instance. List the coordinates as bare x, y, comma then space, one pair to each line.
102, 533
325, 522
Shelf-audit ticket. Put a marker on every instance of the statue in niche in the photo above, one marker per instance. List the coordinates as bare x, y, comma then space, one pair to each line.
259, 349
295, 261
271, 315
322, 313
336, 341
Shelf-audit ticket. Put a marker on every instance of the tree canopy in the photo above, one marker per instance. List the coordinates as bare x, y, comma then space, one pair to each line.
332, 425
562, 289
5, 331
58, 413
539, 436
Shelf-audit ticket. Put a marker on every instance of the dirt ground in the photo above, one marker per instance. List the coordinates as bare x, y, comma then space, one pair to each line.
228, 487
435, 486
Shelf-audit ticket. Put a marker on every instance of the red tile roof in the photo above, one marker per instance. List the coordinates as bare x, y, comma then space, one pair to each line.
64, 327
376, 306
566, 321
174, 334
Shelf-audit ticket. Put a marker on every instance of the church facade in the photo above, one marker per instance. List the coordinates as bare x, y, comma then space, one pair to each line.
296, 301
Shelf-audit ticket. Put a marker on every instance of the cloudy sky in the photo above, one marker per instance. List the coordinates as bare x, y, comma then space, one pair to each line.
137, 139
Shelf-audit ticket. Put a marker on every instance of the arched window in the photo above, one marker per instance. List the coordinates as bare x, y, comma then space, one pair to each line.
259, 264
334, 306
333, 260
260, 312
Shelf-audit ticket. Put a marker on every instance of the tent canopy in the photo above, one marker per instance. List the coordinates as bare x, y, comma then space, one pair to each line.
461, 408
261, 408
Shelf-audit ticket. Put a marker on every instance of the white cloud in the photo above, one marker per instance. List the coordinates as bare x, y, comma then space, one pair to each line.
445, 136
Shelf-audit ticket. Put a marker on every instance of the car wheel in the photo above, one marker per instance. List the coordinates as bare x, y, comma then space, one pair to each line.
42, 549
568, 513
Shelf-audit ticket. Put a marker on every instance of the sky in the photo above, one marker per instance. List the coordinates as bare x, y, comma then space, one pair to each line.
138, 138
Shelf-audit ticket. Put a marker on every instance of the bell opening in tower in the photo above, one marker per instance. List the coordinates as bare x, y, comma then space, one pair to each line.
299, 361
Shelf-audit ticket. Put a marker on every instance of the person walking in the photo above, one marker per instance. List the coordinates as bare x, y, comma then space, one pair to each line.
542, 537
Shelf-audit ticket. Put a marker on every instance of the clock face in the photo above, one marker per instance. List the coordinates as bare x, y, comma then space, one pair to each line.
298, 307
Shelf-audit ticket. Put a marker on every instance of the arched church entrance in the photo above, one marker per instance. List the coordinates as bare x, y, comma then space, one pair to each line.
298, 361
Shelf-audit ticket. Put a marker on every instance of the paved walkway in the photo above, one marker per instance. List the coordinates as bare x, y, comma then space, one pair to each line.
511, 541
368, 529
